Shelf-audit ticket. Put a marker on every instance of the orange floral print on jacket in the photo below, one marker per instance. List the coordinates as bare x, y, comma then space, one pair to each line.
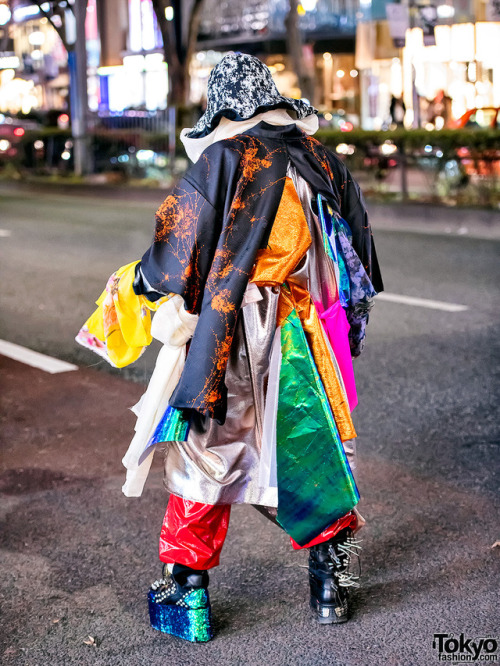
208, 233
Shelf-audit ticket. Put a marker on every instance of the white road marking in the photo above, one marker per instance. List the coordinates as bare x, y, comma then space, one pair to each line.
35, 359
5, 233
421, 302
477, 231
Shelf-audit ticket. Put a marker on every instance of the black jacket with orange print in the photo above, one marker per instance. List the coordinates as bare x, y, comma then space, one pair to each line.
209, 230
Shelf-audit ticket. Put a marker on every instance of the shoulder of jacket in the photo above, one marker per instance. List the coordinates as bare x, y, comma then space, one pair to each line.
217, 154
324, 149
216, 168
225, 154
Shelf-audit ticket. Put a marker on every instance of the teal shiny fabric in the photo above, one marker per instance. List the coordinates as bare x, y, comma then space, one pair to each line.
315, 482
333, 248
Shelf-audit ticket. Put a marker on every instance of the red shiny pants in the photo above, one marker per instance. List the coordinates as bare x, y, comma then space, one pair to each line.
193, 533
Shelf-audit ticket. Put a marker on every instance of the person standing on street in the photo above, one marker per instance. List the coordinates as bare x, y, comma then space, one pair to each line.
262, 274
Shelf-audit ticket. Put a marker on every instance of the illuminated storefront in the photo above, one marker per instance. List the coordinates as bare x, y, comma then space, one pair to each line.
33, 76
463, 68
37, 75
141, 82
437, 78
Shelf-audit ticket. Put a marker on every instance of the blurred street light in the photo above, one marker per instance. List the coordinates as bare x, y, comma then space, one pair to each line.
63, 121
445, 11
309, 5
4, 14
36, 38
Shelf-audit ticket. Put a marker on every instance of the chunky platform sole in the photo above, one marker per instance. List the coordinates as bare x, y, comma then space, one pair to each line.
190, 624
328, 613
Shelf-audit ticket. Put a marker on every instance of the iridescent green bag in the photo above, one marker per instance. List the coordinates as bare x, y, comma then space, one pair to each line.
315, 482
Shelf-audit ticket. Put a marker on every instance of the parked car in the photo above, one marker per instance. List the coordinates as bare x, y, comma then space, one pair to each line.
485, 163
12, 131
484, 118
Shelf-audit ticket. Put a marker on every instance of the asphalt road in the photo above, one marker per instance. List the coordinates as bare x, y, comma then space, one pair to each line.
77, 557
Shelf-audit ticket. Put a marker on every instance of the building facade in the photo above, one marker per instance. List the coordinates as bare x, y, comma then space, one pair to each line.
437, 58
440, 64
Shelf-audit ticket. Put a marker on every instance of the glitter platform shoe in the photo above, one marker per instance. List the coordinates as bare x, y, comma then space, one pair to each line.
179, 604
330, 580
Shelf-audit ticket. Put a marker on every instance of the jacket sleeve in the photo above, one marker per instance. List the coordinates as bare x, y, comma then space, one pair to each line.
353, 210
187, 227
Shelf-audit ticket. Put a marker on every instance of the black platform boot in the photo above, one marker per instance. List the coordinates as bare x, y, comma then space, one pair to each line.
179, 604
330, 579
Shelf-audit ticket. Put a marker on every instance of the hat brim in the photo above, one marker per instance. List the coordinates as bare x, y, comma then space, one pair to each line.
205, 125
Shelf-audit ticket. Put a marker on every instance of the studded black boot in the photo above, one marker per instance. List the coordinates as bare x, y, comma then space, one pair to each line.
329, 577
179, 604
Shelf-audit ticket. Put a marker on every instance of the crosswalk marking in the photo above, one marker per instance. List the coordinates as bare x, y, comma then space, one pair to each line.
421, 302
35, 359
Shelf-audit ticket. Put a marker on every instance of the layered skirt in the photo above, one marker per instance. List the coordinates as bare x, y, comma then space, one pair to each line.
288, 418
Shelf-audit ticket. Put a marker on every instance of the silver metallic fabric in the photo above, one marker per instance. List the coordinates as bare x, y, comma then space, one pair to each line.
220, 464
316, 274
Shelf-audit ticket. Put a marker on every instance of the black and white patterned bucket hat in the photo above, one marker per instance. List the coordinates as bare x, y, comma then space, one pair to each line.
240, 87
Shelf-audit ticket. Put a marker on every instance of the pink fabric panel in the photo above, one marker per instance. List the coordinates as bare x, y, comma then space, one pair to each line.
336, 326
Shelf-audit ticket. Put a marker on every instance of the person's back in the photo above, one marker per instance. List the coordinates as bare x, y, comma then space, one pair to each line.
263, 252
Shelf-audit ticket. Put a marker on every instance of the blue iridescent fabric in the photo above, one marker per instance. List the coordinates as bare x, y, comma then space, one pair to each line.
352, 271
334, 250
172, 427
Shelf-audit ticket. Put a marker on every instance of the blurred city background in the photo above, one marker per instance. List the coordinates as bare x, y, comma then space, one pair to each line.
93, 95
408, 93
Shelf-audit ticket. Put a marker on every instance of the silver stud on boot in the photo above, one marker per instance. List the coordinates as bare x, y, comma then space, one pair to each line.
330, 578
